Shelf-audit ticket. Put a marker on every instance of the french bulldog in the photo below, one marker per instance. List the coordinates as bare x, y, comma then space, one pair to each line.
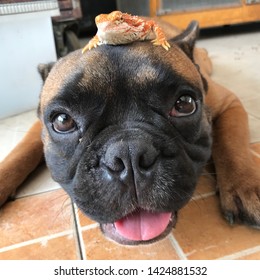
127, 131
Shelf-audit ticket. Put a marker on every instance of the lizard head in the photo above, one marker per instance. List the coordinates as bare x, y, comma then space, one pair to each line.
116, 23
115, 17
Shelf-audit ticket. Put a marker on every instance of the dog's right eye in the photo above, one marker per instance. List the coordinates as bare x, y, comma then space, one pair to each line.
63, 123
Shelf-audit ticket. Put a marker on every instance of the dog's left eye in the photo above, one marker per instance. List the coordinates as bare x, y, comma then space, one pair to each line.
63, 123
184, 106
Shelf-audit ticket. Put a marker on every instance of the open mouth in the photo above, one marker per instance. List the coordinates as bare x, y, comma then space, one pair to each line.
140, 227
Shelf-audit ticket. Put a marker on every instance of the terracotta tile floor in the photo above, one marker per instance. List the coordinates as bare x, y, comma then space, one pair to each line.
48, 226
42, 223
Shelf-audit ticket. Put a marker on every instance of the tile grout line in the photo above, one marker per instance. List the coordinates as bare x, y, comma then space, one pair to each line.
240, 254
81, 243
14, 140
202, 196
253, 115
92, 226
38, 192
77, 230
36, 240
177, 247
255, 153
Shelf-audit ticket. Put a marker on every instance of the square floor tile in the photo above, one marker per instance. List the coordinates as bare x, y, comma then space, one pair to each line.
205, 186
253, 256
97, 247
203, 233
35, 216
13, 129
83, 219
254, 126
38, 181
256, 148
253, 106
59, 248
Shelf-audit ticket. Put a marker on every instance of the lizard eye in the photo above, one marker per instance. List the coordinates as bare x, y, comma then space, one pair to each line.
120, 20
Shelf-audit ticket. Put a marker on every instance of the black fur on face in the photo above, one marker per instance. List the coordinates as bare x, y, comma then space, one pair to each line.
129, 141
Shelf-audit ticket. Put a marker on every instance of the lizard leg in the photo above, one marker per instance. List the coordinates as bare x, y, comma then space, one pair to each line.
160, 39
93, 43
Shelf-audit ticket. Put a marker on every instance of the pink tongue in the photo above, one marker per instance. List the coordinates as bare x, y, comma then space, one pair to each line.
142, 225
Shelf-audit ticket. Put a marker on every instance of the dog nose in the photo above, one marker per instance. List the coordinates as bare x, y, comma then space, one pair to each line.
128, 161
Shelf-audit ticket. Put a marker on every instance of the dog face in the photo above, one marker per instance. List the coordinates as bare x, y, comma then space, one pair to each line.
126, 134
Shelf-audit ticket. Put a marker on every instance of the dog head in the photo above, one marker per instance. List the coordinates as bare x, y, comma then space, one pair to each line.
126, 134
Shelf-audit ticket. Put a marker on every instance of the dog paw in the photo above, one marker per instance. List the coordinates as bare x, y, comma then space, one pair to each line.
240, 200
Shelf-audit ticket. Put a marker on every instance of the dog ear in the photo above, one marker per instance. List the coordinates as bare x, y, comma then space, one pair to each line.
44, 70
186, 40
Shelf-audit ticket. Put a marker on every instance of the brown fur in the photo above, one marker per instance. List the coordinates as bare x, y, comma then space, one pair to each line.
23, 159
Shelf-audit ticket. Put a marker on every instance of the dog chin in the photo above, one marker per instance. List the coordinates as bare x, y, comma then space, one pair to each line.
140, 227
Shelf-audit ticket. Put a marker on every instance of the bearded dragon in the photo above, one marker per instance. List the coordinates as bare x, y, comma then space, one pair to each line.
119, 28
